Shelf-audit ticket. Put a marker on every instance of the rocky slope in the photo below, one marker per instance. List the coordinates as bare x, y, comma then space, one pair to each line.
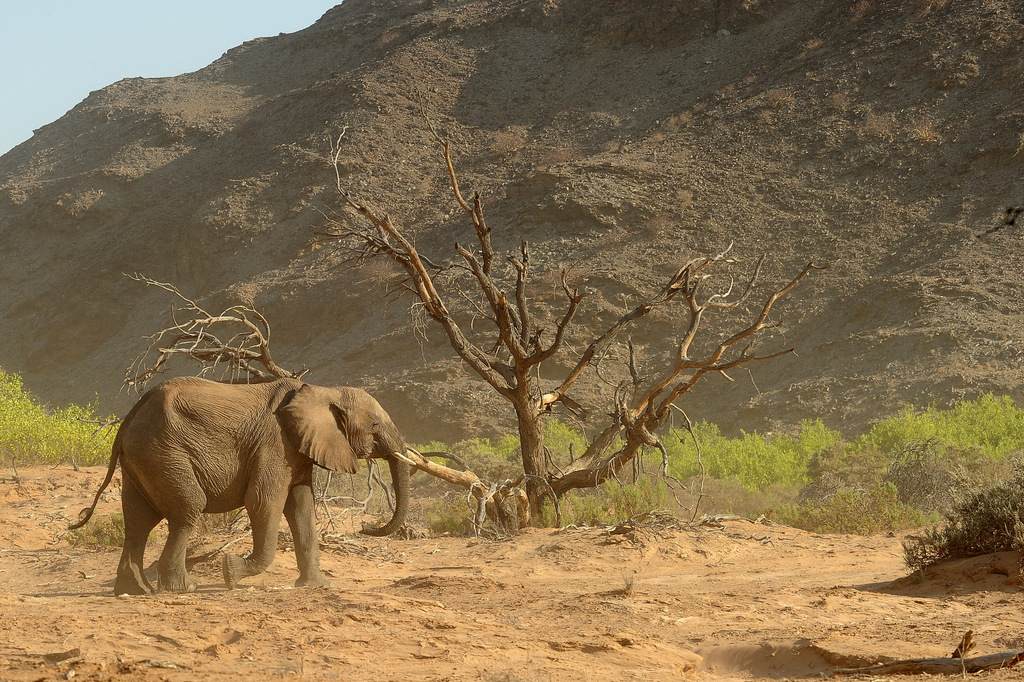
885, 139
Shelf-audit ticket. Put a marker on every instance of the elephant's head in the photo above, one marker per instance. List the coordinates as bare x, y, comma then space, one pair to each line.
335, 427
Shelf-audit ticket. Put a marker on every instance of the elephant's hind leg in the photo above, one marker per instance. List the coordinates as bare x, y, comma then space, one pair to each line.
187, 508
139, 519
265, 518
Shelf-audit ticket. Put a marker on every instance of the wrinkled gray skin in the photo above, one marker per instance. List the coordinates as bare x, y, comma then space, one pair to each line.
192, 446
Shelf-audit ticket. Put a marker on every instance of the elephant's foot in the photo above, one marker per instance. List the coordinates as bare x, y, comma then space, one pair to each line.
182, 583
234, 569
131, 585
130, 580
314, 580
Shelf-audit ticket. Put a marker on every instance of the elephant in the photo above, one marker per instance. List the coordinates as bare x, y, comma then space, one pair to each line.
192, 446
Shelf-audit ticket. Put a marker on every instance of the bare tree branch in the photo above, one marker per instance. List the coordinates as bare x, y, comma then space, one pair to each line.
239, 357
638, 418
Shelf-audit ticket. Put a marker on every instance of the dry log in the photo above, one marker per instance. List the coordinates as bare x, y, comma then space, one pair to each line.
489, 496
939, 666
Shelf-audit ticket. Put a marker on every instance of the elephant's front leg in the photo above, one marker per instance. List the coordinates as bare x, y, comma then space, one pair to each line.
265, 519
299, 511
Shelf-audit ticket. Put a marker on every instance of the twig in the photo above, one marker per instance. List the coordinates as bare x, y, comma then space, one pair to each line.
214, 552
700, 461
17, 477
247, 347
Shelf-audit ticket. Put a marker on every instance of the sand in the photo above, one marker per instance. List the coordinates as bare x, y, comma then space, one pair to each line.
727, 599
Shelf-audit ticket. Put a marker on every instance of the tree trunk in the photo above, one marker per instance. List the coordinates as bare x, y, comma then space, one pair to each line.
531, 443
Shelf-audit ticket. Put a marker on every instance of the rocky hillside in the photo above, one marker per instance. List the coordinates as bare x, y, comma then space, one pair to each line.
885, 139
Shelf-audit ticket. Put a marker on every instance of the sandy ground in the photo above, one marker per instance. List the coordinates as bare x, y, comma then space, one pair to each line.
727, 600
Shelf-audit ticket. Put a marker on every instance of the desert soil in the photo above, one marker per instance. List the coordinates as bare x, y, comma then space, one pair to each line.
727, 599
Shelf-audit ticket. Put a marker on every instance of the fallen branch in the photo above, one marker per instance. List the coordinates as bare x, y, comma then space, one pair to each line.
489, 497
939, 666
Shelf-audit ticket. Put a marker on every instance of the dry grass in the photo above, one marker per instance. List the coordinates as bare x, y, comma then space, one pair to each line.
613, 237
923, 8
678, 122
379, 271
778, 98
878, 127
556, 155
725, 91
659, 227
840, 101
925, 131
509, 142
861, 9
102, 531
389, 36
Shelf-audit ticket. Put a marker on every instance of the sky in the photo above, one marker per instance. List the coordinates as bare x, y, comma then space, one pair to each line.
55, 52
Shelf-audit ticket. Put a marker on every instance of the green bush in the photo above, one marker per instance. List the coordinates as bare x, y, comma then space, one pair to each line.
490, 461
992, 425
925, 453
877, 510
563, 442
981, 522
754, 460
31, 433
897, 475
611, 502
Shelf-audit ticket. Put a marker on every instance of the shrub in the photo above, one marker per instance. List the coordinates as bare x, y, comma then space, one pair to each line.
924, 452
731, 497
99, 532
923, 476
853, 511
563, 442
491, 461
611, 502
981, 522
754, 460
32, 433
993, 425
779, 97
897, 475
450, 514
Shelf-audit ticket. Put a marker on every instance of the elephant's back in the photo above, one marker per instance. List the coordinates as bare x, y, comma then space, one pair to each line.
210, 404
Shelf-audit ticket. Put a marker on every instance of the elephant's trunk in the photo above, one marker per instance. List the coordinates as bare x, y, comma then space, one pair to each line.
400, 481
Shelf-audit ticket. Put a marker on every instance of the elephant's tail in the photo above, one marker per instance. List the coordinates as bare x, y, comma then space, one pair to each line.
86, 514
400, 480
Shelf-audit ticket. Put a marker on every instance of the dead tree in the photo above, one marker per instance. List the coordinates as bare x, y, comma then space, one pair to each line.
508, 356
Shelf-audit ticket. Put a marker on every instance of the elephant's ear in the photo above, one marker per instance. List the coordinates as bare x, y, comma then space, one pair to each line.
313, 424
